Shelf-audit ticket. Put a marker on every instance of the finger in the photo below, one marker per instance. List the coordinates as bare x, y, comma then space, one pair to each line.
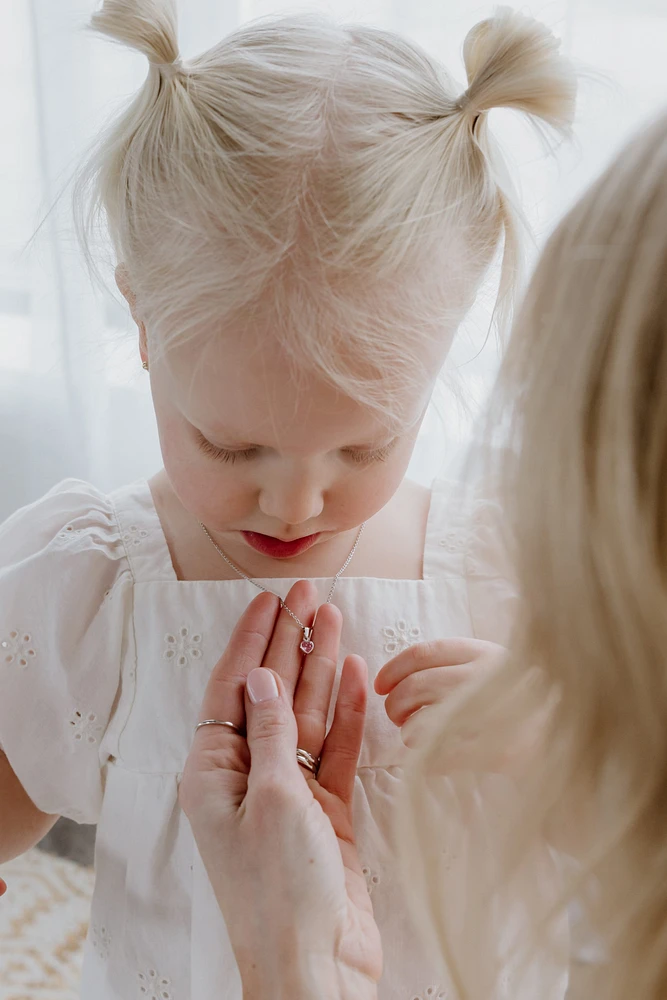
340, 755
3, 887
423, 688
283, 655
423, 656
224, 697
315, 685
271, 731
421, 726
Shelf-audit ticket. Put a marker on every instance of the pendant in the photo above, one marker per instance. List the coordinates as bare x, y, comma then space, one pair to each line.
307, 645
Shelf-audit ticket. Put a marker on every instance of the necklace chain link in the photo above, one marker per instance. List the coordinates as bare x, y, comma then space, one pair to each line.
266, 590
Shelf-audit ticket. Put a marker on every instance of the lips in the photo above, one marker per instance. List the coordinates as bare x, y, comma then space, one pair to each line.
276, 548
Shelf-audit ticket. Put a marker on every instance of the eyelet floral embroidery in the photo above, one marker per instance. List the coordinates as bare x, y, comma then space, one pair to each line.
134, 535
401, 636
68, 532
17, 648
372, 879
101, 940
154, 986
455, 541
432, 993
85, 727
183, 647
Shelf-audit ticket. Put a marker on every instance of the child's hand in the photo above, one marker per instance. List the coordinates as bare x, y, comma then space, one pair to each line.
428, 673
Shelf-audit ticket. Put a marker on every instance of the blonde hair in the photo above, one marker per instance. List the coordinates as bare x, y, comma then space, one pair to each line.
330, 178
584, 391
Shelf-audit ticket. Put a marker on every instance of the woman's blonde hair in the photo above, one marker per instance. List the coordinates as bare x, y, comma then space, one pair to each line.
583, 390
330, 179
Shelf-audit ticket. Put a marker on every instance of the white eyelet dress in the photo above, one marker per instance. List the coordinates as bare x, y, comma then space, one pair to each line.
104, 657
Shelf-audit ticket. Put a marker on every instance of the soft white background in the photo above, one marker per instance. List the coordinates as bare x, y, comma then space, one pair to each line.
73, 397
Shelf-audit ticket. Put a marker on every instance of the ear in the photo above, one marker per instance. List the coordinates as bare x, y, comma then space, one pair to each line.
125, 289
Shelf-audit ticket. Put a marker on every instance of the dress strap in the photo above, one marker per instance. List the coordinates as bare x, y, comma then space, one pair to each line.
142, 534
448, 529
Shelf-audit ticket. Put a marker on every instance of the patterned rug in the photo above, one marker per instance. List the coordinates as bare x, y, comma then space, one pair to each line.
43, 924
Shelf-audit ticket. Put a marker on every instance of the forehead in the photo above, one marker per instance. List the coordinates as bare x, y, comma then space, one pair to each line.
242, 392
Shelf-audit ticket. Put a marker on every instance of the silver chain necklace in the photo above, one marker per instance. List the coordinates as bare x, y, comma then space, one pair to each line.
307, 645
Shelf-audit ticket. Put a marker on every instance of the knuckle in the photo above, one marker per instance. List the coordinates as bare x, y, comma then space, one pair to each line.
325, 664
311, 716
268, 725
347, 755
425, 652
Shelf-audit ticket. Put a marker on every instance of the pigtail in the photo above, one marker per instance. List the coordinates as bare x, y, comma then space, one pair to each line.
149, 26
133, 163
512, 61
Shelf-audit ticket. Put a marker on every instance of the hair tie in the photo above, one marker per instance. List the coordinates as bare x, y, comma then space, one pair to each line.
170, 69
462, 105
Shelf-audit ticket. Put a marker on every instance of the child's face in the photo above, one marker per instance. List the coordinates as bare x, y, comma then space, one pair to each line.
248, 450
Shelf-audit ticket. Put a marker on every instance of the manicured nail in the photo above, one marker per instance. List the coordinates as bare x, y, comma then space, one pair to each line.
261, 685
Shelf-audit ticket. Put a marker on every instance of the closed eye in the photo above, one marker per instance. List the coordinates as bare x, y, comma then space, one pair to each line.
365, 457
225, 454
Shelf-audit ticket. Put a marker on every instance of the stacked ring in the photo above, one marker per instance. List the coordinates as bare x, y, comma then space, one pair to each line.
307, 760
304, 758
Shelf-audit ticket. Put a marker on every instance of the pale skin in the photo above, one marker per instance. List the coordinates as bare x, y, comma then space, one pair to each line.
428, 673
244, 451
250, 444
278, 844
302, 462
294, 897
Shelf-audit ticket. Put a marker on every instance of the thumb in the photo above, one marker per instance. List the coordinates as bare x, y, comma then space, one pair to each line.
270, 726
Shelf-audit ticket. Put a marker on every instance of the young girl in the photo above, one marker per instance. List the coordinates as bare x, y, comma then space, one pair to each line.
301, 217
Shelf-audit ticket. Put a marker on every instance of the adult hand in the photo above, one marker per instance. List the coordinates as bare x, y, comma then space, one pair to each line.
278, 844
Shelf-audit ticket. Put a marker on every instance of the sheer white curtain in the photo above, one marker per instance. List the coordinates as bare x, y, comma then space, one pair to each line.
73, 398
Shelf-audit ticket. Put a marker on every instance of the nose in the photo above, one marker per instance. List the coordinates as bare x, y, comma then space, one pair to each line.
292, 499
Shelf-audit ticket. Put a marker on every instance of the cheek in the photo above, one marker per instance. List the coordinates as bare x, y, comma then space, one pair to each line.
214, 493
365, 492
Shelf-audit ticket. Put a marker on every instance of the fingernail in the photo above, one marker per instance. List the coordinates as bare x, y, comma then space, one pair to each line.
261, 685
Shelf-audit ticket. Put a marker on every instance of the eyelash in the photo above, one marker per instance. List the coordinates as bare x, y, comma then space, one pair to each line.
364, 458
223, 455
361, 458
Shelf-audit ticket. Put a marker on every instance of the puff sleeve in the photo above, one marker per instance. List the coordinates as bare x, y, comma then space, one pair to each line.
64, 590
